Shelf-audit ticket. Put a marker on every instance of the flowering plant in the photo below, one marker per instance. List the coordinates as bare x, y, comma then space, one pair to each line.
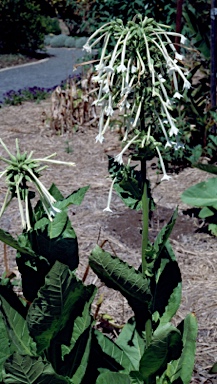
140, 79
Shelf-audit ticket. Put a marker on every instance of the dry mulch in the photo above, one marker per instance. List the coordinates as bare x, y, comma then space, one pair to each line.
195, 250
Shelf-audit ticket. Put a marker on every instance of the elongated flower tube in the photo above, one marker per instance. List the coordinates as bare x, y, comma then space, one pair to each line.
108, 209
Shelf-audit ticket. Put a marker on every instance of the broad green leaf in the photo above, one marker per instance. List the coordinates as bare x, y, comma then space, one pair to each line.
206, 167
4, 343
6, 238
183, 367
58, 303
203, 194
213, 229
120, 276
81, 323
25, 369
206, 212
213, 369
81, 354
17, 329
166, 285
57, 225
55, 192
75, 198
164, 233
131, 343
76, 355
113, 377
166, 345
110, 348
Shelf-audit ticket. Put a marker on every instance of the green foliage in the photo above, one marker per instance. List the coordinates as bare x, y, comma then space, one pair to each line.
58, 41
51, 25
80, 41
21, 26
70, 42
204, 195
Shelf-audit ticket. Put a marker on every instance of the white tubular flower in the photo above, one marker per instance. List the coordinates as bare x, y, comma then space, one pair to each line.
178, 56
165, 176
187, 84
108, 209
134, 69
108, 109
141, 63
88, 48
177, 95
122, 68
119, 157
164, 131
100, 137
138, 114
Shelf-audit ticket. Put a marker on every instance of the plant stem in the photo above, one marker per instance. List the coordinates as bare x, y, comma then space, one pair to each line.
145, 216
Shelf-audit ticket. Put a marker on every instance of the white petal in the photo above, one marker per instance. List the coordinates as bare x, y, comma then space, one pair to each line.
177, 95
99, 138
166, 177
187, 84
178, 56
107, 209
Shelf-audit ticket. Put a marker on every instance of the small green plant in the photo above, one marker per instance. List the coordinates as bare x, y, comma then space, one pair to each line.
204, 196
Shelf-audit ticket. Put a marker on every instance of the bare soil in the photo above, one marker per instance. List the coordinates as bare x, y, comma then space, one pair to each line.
195, 249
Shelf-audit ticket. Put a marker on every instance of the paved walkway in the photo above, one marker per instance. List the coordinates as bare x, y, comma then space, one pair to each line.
46, 73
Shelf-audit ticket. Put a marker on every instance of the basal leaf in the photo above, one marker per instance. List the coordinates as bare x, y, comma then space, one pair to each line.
213, 369
166, 345
80, 356
166, 285
131, 343
25, 369
203, 194
17, 329
206, 212
183, 367
113, 377
111, 349
4, 343
206, 167
58, 303
120, 276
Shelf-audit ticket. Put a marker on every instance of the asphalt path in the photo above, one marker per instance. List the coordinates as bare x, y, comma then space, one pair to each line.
46, 73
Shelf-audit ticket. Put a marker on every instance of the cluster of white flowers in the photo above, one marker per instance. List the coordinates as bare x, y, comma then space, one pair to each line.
140, 78
22, 169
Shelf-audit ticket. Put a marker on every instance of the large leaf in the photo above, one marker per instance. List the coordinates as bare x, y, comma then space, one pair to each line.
6, 238
166, 285
76, 355
183, 367
74, 198
122, 277
4, 343
58, 304
164, 234
17, 329
203, 194
131, 343
57, 225
25, 369
113, 377
111, 349
166, 346
206, 167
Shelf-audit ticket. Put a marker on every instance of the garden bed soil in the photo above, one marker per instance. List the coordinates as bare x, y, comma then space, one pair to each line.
194, 248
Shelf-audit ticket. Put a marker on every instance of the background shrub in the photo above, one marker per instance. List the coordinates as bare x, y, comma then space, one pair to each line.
58, 41
21, 26
51, 25
70, 42
80, 41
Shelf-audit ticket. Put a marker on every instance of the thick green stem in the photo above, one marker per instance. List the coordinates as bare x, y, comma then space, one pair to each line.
145, 216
